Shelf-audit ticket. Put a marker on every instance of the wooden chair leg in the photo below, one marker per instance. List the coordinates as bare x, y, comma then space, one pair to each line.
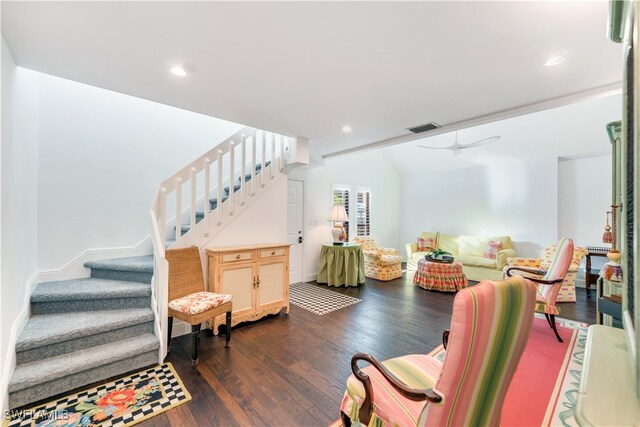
346, 421
169, 330
228, 334
548, 320
553, 326
195, 337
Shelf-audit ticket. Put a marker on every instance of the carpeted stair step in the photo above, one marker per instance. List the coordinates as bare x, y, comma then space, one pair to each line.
44, 378
213, 203
49, 335
247, 177
131, 269
170, 242
89, 294
235, 188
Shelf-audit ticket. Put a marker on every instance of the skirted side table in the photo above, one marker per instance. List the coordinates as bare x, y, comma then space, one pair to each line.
341, 265
436, 276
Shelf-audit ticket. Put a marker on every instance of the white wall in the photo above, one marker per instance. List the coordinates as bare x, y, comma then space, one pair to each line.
519, 199
18, 201
370, 170
102, 156
584, 191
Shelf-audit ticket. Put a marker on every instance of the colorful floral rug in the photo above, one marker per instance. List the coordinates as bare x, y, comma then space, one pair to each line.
124, 402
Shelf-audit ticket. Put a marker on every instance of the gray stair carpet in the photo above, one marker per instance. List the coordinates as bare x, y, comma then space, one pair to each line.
50, 335
88, 294
132, 269
213, 203
40, 379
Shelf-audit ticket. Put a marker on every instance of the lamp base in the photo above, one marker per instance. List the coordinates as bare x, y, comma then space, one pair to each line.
337, 233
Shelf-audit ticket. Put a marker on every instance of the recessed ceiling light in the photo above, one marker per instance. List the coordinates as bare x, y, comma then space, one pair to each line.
346, 129
179, 71
554, 61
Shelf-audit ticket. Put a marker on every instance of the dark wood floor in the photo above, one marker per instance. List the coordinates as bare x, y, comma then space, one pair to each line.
291, 370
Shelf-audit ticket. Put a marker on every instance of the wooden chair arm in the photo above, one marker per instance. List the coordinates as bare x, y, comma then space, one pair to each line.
526, 270
408, 392
534, 279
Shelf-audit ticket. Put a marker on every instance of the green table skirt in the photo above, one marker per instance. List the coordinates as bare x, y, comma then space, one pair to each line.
341, 265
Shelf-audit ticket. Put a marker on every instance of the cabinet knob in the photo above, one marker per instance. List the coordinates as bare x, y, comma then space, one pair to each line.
238, 256
273, 252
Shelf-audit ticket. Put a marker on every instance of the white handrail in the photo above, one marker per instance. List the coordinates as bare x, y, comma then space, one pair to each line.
189, 174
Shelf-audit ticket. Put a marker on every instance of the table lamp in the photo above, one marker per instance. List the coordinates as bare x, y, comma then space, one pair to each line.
338, 215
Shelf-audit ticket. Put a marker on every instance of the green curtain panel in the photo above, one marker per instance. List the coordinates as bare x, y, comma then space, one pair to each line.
341, 265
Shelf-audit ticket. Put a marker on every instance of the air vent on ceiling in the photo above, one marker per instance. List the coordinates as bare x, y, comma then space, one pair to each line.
424, 128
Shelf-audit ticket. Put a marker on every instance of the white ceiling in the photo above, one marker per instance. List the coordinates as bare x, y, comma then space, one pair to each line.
308, 68
576, 130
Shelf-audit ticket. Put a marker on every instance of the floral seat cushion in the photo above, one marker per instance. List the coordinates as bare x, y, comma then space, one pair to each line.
199, 302
390, 260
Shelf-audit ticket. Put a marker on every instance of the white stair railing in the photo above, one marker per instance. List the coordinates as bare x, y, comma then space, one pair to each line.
210, 174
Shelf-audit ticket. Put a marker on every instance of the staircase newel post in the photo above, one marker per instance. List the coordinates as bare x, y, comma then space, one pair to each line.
220, 184
232, 166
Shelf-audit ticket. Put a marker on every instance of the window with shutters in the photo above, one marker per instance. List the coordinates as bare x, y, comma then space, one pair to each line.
341, 197
363, 213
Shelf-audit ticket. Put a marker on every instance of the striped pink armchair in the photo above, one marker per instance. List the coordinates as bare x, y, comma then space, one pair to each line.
490, 327
379, 263
551, 282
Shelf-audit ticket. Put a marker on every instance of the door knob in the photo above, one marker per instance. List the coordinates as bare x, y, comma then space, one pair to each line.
300, 239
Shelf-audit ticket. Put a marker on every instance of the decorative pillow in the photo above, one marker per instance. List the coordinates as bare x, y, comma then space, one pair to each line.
492, 249
426, 244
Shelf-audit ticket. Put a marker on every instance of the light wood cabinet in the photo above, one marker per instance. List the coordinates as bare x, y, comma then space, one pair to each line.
257, 277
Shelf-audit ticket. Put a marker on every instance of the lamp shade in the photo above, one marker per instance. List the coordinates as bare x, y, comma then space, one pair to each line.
338, 214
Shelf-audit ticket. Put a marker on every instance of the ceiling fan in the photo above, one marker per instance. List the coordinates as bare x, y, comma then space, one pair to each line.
457, 148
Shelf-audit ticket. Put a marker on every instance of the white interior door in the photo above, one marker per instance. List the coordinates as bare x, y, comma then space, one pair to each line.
295, 237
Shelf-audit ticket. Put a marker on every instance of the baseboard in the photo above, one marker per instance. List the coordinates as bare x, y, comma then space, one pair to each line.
10, 356
75, 268
180, 328
311, 277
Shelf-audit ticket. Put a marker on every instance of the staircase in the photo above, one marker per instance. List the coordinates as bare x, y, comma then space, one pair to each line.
85, 330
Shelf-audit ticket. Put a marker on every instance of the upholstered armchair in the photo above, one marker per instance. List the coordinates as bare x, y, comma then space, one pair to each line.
380, 263
469, 387
567, 291
550, 282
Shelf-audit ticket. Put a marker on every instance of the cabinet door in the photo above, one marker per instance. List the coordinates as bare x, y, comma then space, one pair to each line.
238, 281
271, 288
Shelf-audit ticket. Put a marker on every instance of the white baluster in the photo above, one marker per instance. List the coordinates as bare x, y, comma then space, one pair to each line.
178, 208
162, 216
232, 166
220, 184
264, 157
253, 163
192, 219
207, 195
243, 169
281, 153
273, 155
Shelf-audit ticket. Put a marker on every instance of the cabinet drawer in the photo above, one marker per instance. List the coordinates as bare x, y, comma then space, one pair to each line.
268, 253
237, 256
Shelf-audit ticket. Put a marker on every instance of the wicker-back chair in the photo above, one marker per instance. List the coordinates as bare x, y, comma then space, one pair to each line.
187, 299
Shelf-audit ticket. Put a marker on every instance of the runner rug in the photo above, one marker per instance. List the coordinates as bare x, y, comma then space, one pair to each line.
544, 388
124, 402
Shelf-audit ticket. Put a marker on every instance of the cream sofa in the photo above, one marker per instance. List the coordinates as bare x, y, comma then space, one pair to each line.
470, 251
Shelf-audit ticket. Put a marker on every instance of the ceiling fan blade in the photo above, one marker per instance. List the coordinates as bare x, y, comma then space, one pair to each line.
480, 142
435, 148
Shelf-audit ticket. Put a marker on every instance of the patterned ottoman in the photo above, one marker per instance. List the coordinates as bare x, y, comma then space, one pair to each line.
436, 276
